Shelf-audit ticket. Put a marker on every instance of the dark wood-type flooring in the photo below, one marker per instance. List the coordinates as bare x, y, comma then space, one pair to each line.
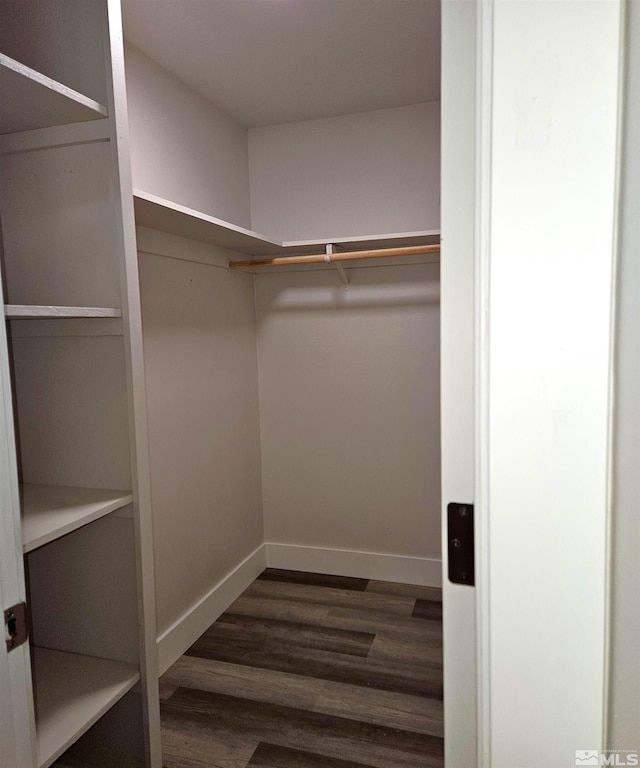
311, 671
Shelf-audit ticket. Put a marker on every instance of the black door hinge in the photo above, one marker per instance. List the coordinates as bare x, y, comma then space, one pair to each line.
461, 544
15, 625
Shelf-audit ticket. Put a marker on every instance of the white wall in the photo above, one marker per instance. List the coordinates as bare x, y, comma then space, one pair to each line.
359, 174
202, 395
349, 408
183, 148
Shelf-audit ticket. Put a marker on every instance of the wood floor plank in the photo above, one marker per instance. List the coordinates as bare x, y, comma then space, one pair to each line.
287, 610
298, 633
314, 579
415, 680
407, 590
265, 685
384, 708
336, 598
273, 756
416, 630
209, 714
427, 609
387, 625
186, 747
405, 651
370, 705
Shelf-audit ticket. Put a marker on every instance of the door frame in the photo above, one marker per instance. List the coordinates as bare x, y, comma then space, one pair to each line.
17, 714
458, 344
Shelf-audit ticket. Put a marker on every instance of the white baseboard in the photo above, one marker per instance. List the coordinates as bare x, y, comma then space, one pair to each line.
175, 640
426, 572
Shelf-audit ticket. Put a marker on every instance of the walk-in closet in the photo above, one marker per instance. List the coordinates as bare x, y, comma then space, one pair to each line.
301, 401
293, 386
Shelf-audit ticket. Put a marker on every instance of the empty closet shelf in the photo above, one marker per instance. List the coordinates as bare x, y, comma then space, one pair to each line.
72, 692
164, 215
32, 100
51, 511
25, 311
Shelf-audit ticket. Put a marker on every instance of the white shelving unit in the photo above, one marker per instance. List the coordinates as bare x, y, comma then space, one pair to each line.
51, 511
74, 691
22, 311
74, 419
32, 100
166, 216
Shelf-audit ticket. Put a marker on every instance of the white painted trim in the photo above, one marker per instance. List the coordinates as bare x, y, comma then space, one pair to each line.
482, 259
622, 637
424, 571
124, 221
175, 640
460, 22
17, 713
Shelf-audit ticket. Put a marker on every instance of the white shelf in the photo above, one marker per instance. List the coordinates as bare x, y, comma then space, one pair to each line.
157, 213
364, 242
51, 511
32, 100
22, 311
72, 693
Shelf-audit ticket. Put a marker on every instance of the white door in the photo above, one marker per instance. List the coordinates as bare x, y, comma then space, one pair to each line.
16, 704
457, 363
530, 132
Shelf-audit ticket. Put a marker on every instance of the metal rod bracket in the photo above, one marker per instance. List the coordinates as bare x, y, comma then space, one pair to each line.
341, 272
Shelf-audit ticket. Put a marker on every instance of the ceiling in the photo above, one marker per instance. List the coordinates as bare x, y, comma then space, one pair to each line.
265, 62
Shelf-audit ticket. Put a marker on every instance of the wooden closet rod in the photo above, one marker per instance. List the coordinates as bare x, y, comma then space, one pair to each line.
319, 258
